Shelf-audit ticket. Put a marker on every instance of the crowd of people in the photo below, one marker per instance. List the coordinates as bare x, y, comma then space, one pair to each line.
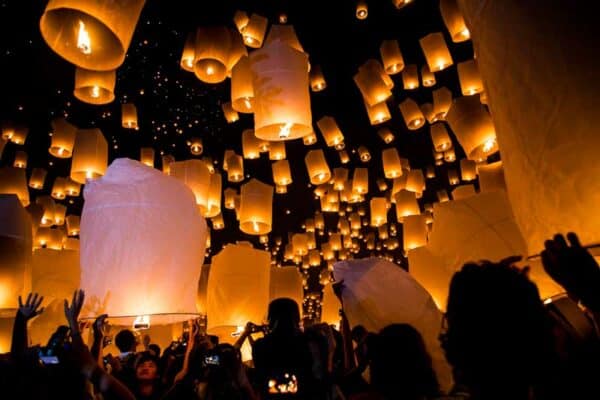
500, 339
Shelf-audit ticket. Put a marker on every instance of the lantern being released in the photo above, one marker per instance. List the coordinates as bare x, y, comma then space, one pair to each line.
256, 208
158, 272
90, 34
282, 99
95, 87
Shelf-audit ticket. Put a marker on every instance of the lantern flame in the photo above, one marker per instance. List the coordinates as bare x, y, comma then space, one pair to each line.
489, 145
247, 103
95, 91
255, 226
89, 174
84, 42
210, 70
284, 132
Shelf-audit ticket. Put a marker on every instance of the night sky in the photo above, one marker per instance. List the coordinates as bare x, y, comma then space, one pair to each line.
173, 105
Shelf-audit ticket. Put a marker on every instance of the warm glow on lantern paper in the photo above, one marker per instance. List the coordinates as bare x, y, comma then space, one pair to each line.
316, 165
470, 80
284, 33
254, 31
90, 34
286, 282
317, 79
129, 117
454, 21
90, 155
212, 51
63, 138
413, 117
238, 290
14, 181
95, 87
378, 293
242, 90
473, 127
282, 99
55, 273
391, 56
538, 69
436, 52
187, 55
142, 242
256, 208
196, 176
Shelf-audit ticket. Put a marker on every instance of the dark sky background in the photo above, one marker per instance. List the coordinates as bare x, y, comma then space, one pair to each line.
36, 85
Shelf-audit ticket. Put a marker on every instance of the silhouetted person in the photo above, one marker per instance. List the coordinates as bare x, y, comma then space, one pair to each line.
124, 363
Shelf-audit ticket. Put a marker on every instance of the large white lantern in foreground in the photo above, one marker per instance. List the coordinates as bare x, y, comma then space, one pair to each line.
142, 245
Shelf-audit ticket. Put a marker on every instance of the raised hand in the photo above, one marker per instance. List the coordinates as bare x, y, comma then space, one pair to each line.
31, 308
98, 325
573, 267
72, 311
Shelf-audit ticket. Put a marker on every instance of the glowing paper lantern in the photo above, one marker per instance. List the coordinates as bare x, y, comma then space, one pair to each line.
55, 273
195, 175
90, 34
282, 99
250, 144
391, 163
362, 10
14, 181
95, 87
212, 53
90, 155
427, 76
406, 204
230, 114
129, 118
310, 139
449, 155
317, 79
414, 232
360, 181
372, 81
470, 80
378, 211
378, 113
37, 178
158, 273
391, 56
363, 154
240, 19
386, 135
468, 170
491, 177
58, 188
473, 127
316, 165
20, 159
453, 178
254, 31
277, 150
410, 77
196, 146
415, 181
442, 101
440, 137
413, 117
15, 251
436, 52
230, 195
281, 173
285, 282
256, 208
284, 33
242, 90
462, 192
213, 205
454, 21
235, 168
187, 55
378, 293
63, 138
330, 307
73, 225
147, 156
330, 131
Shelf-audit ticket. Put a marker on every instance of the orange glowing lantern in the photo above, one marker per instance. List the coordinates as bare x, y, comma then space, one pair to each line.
413, 117
254, 31
470, 80
317, 79
242, 90
281, 173
316, 165
90, 155
454, 21
391, 56
63, 138
188, 53
436, 52
95, 87
410, 77
256, 208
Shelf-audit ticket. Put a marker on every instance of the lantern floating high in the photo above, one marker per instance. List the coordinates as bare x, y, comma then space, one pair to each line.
427, 76
316, 165
59, 188
250, 144
254, 31
414, 232
410, 77
63, 138
317, 79
235, 168
378, 211
90, 155
37, 178
440, 137
242, 90
73, 225
95, 87
406, 204
373, 83
129, 116
277, 151
360, 181
470, 80
391, 56
187, 55
378, 113
442, 101
213, 204
436, 52
330, 131
468, 170
196, 176
20, 159
281, 173
14, 181
391, 163
212, 54
147, 156
413, 117
230, 114
454, 21
256, 208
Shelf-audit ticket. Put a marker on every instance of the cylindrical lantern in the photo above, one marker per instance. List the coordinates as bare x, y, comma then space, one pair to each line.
473, 127
240, 19
363, 154
449, 155
468, 170
427, 77
410, 77
90, 34
213, 205
372, 84
242, 89
413, 117
330, 131
378, 211
20, 159
15, 250
147, 156
235, 168
316, 165
14, 181
167, 159
317, 79
470, 80
196, 176
281, 173
129, 118
440, 137
229, 194
286, 282
217, 222
37, 178
63, 138
250, 144
155, 276
230, 114
256, 208
414, 232
340, 177
463, 191
406, 204
436, 52
73, 222
491, 177
360, 180
196, 146
49, 207
391, 56
212, 53
386, 135
90, 155
453, 178
187, 55
59, 188
427, 110
95, 87
277, 151
454, 21
254, 31
300, 244
442, 101
282, 99
378, 113
415, 181
391, 163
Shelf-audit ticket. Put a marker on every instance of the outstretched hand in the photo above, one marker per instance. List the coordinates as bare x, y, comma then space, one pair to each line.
31, 308
99, 325
72, 311
574, 268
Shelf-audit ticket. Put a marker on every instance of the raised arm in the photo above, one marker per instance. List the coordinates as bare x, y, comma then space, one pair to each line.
25, 312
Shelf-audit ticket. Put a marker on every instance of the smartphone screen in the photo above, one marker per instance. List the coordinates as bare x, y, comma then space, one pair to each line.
211, 360
49, 360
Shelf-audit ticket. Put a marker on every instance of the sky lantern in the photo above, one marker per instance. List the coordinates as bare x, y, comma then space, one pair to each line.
229, 198
316, 165
286, 282
300, 244
147, 156
410, 77
281, 173
473, 127
284, 33
469, 77
211, 57
213, 204
240, 19
340, 178
310, 139
129, 117
427, 77
378, 211
406, 204
282, 99
440, 137
59, 188
378, 113
254, 31
363, 154
49, 206
442, 101
90, 34
90, 155
415, 181
391, 163
491, 177
317, 79
371, 82
196, 146
95, 87
235, 168
468, 170
14, 181
455, 23
330, 131
167, 159
242, 89
391, 56
453, 178
73, 225
436, 52
256, 208
37, 178
413, 117
152, 280
414, 232
277, 151
63, 138
195, 175
20, 159
360, 181
250, 144
386, 135
188, 53
229, 113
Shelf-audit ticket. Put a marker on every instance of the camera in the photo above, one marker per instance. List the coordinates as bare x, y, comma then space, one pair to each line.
212, 359
49, 355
